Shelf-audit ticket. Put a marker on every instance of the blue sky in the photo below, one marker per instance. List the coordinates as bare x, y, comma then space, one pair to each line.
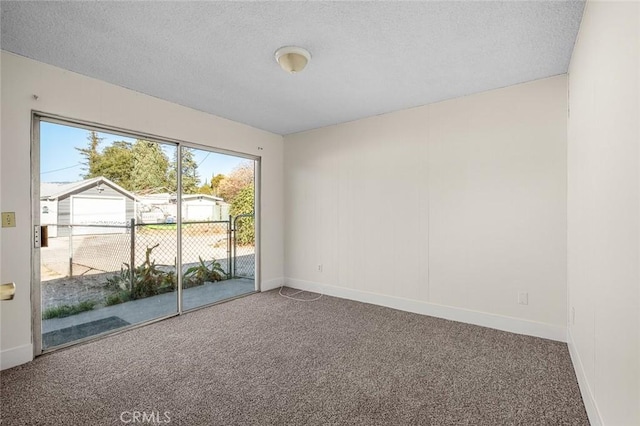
61, 162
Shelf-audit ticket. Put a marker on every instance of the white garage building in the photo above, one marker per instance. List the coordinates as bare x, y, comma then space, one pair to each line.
158, 208
200, 207
92, 202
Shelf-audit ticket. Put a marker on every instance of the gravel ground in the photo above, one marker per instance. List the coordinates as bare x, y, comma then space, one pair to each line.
70, 291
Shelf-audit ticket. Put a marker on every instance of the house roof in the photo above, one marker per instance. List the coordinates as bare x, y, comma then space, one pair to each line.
158, 197
166, 197
189, 197
52, 190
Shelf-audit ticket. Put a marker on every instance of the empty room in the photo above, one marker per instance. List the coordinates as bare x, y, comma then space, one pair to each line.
311, 213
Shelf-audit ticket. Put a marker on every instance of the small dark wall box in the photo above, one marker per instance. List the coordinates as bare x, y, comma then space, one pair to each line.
44, 236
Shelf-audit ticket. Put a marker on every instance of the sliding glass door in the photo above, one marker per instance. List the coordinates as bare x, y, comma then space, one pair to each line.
134, 229
217, 189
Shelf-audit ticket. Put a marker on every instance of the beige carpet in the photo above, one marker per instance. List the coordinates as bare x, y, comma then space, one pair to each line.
264, 359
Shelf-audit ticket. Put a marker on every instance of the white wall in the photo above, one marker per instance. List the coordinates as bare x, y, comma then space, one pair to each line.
450, 209
75, 96
603, 211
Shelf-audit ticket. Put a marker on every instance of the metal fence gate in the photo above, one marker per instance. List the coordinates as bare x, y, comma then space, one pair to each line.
243, 255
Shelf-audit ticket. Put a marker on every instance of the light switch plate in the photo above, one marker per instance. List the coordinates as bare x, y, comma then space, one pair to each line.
8, 219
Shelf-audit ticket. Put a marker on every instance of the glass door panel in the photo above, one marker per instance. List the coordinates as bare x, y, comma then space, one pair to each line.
110, 261
218, 232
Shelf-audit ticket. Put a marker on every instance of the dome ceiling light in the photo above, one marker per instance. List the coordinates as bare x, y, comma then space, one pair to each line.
292, 59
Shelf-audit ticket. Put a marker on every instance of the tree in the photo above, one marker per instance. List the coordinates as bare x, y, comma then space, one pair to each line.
116, 164
190, 177
243, 204
215, 183
150, 167
205, 189
141, 167
91, 155
213, 186
240, 178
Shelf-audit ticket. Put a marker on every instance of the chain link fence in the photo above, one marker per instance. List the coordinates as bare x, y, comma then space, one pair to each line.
108, 253
85, 253
244, 246
204, 241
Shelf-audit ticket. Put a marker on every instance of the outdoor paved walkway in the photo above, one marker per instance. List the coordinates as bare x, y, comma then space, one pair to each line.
141, 310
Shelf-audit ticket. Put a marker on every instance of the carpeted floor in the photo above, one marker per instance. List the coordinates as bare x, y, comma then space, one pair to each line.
264, 359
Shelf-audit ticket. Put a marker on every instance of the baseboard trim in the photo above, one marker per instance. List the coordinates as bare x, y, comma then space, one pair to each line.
272, 284
16, 356
587, 395
499, 322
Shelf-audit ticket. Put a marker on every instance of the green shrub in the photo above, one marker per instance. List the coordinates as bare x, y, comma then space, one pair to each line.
147, 281
117, 298
68, 310
243, 204
203, 272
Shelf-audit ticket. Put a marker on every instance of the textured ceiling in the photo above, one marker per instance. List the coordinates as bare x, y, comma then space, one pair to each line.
368, 58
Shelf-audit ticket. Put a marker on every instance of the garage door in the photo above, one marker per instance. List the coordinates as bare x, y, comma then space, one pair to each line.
98, 211
199, 212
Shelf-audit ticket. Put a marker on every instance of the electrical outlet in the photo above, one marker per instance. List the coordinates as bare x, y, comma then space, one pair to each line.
8, 219
573, 315
523, 298
320, 267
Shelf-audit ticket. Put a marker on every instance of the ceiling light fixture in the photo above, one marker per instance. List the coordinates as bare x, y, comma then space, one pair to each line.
292, 59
